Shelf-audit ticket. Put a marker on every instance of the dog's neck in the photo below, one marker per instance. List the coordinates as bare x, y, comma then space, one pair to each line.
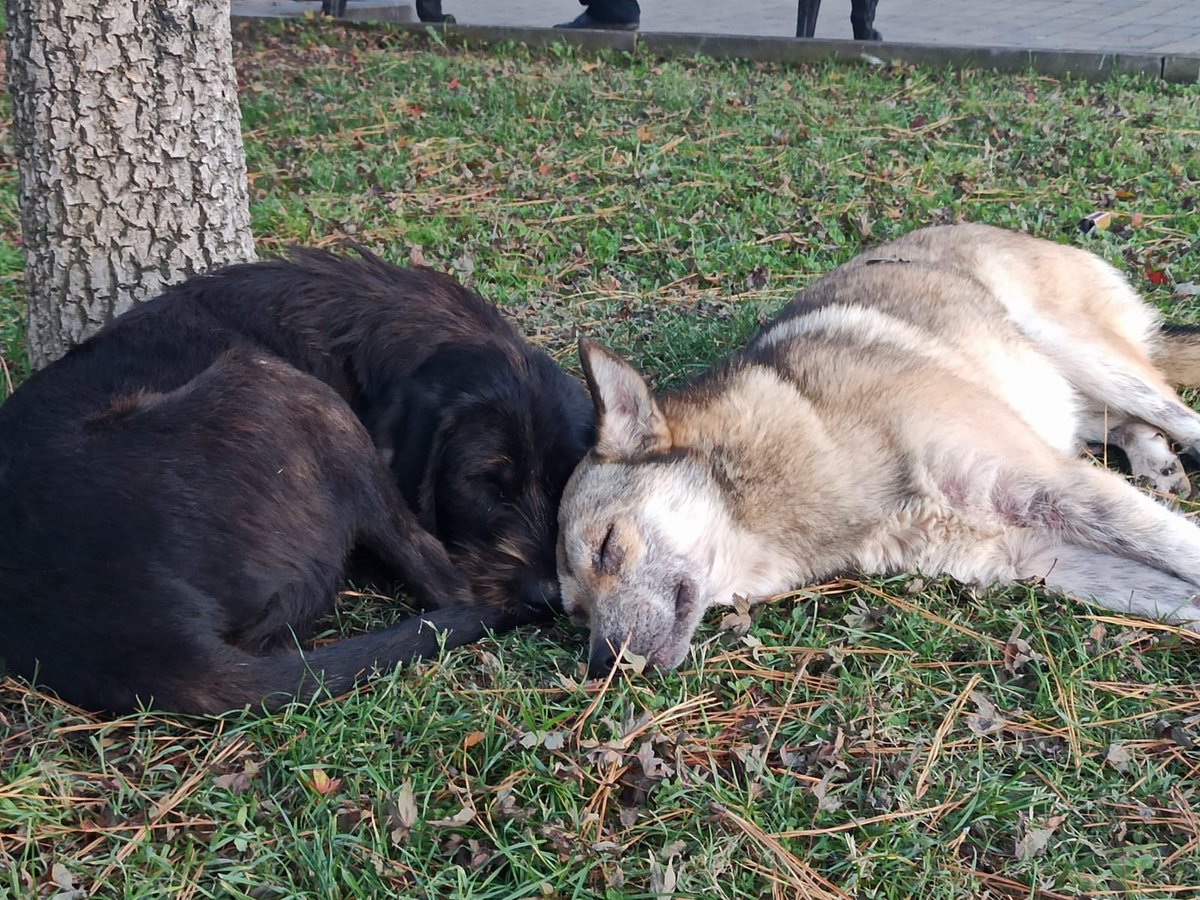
774, 469
746, 566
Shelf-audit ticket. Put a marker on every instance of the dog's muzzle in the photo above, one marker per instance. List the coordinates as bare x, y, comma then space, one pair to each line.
542, 597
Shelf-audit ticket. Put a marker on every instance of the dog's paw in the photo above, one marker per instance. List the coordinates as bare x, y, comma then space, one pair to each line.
1160, 472
433, 576
1167, 480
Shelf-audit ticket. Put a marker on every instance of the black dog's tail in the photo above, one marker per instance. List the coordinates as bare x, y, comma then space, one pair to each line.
239, 678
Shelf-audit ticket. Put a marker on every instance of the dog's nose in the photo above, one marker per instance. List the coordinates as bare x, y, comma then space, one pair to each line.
542, 596
601, 659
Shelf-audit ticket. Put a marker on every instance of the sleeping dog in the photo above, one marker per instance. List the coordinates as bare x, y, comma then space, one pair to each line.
180, 494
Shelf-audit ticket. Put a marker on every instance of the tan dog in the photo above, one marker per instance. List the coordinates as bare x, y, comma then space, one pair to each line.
921, 408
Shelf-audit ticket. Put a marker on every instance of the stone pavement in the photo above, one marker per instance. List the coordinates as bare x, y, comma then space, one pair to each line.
1147, 26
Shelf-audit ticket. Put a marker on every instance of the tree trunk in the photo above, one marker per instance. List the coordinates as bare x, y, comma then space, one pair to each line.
128, 139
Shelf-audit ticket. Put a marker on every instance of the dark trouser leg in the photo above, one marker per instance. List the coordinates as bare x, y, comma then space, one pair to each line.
862, 20
613, 10
431, 11
806, 17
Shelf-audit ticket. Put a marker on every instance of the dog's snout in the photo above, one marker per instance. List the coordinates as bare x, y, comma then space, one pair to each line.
542, 595
601, 659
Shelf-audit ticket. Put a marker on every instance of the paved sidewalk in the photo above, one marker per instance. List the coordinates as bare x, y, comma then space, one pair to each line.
1148, 26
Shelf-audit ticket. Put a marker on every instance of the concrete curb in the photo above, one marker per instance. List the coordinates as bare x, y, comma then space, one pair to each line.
1088, 65
1181, 68
1056, 63
457, 35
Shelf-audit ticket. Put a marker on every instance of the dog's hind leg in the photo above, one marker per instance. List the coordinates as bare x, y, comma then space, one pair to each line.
1105, 341
1120, 383
1125, 395
232, 677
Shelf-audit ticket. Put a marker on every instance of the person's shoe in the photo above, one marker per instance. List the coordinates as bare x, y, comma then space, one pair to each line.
431, 11
586, 20
864, 32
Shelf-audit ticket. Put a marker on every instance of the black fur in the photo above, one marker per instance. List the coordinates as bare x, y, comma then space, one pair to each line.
180, 493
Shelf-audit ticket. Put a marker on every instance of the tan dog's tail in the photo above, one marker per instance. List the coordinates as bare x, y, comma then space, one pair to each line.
1178, 355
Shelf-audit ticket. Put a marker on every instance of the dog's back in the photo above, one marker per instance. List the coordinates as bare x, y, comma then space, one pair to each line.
481, 429
168, 547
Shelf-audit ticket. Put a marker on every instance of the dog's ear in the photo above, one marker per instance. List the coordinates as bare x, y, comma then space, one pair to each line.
407, 432
629, 422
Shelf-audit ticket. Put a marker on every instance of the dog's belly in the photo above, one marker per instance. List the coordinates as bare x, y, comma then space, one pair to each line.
933, 537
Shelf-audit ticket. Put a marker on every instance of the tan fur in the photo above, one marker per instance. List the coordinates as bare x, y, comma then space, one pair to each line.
1177, 355
920, 408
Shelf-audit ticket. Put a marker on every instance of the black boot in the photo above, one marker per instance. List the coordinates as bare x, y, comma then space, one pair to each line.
431, 11
618, 15
862, 20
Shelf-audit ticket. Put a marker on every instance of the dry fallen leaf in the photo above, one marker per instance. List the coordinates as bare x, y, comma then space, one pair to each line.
863, 617
406, 805
462, 817
1017, 652
61, 876
759, 278
737, 621
400, 814
826, 803
662, 878
987, 720
237, 782
1035, 839
320, 782
673, 849
65, 881
1118, 757
635, 662
551, 740
1033, 843
652, 765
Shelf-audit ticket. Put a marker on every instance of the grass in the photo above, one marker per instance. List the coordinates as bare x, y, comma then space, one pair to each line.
887, 739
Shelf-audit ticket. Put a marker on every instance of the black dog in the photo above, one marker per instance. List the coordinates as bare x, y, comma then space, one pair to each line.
180, 493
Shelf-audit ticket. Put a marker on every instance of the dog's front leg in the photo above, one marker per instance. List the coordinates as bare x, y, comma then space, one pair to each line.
414, 555
1129, 536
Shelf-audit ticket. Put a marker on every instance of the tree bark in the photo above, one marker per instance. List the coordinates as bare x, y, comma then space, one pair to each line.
128, 138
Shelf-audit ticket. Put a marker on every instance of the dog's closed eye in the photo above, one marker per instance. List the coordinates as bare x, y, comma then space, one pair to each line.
498, 481
609, 557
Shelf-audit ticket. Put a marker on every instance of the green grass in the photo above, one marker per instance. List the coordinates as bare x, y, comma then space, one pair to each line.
845, 742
